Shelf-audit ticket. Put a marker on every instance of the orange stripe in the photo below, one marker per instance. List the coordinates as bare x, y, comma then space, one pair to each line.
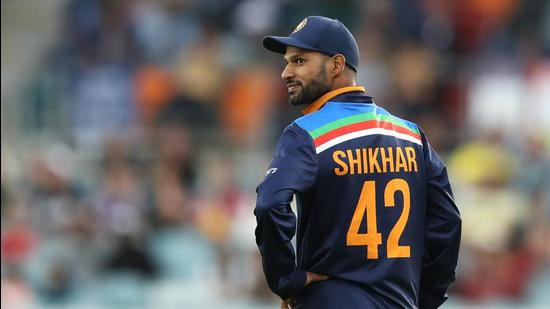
315, 106
370, 124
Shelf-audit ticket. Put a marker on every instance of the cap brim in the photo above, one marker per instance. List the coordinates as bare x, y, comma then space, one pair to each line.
278, 44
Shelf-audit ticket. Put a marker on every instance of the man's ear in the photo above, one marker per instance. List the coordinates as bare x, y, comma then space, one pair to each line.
338, 64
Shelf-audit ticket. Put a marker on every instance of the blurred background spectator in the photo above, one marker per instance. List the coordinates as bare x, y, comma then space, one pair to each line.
134, 133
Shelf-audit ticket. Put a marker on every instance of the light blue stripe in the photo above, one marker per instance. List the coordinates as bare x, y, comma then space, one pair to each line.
336, 110
331, 112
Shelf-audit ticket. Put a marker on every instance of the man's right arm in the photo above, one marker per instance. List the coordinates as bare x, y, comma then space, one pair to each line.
293, 169
442, 233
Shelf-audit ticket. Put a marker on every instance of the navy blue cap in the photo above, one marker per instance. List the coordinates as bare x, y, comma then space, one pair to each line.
317, 33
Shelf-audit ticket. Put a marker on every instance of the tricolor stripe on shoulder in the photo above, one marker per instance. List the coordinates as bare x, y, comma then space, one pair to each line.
340, 122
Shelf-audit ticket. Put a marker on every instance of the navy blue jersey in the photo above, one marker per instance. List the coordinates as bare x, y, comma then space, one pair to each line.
375, 207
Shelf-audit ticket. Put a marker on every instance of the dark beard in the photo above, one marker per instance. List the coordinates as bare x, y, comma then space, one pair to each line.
312, 92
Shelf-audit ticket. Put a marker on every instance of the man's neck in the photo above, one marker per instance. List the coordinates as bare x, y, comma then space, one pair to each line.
317, 104
341, 83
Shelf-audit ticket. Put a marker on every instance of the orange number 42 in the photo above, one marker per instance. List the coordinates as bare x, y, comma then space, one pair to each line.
367, 205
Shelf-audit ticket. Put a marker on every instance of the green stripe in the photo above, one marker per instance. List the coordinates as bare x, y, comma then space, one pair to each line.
358, 118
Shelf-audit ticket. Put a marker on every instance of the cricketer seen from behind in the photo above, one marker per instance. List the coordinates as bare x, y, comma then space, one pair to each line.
377, 224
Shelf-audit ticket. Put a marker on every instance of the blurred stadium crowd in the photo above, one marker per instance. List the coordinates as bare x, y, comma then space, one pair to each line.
131, 153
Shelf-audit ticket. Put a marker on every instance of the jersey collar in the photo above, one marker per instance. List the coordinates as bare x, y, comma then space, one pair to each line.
317, 104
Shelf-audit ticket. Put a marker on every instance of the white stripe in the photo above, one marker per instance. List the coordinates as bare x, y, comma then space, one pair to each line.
352, 135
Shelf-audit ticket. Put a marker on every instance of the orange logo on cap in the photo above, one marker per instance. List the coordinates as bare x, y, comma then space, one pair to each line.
301, 25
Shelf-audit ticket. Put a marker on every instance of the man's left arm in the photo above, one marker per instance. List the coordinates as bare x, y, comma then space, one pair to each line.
442, 233
293, 169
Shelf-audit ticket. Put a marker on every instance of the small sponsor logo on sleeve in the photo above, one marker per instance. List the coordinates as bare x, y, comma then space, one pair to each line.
271, 171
